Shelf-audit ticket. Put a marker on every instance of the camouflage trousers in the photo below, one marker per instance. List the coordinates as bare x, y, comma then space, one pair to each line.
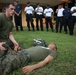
13, 60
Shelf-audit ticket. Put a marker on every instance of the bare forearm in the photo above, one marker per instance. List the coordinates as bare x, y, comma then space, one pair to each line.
40, 64
11, 38
57, 10
20, 12
43, 63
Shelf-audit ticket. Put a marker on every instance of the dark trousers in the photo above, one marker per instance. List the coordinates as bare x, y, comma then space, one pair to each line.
59, 21
29, 20
18, 22
66, 23
39, 18
49, 21
72, 22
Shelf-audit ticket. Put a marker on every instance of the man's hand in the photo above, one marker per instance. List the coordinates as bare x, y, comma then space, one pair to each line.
16, 46
1, 47
27, 69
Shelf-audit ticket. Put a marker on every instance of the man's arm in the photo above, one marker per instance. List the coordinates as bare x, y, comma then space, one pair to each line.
73, 11
30, 68
11, 37
18, 13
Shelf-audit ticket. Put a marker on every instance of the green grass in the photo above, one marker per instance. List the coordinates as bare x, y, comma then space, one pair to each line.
65, 64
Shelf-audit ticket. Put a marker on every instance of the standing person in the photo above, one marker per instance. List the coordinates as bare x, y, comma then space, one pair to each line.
66, 18
29, 10
6, 26
73, 19
48, 12
59, 19
18, 15
21, 58
39, 13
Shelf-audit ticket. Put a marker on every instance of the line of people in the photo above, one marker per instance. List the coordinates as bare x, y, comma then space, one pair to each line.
29, 12
65, 17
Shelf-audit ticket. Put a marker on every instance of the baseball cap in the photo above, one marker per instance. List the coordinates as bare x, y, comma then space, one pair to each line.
48, 5
28, 2
16, 0
37, 4
66, 4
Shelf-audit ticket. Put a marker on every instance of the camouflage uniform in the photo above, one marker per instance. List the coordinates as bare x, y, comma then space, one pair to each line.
12, 60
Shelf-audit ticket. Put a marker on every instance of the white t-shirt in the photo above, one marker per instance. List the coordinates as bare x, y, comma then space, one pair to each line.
48, 12
60, 12
29, 10
73, 8
39, 10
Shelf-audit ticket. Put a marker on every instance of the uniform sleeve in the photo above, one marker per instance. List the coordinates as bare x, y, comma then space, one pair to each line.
52, 10
53, 53
44, 11
35, 9
32, 9
72, 9
25, 9
41, 10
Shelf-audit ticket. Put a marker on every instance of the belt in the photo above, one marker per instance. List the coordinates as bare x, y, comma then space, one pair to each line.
39, 14
29, 14
66, 17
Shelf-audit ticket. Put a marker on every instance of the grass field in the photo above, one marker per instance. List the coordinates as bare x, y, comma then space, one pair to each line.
65, 64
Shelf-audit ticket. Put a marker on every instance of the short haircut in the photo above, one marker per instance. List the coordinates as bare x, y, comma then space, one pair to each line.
55, 46
8, 4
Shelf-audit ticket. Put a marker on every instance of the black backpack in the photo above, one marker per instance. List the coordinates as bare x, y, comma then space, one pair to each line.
39, 42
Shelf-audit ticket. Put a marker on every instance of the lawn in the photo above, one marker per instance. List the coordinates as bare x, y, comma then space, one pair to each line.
65, 64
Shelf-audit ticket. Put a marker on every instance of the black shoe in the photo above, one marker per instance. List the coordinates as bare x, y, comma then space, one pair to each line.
65, 32
56, 31
29, 30
42, 30
37, 29
22, 30
17, 30
71, 34
59, 31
